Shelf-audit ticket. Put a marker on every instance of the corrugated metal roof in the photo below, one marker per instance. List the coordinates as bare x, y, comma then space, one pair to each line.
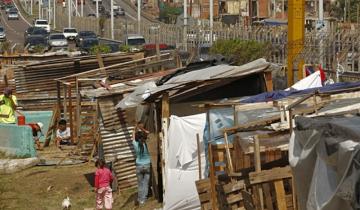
211, 73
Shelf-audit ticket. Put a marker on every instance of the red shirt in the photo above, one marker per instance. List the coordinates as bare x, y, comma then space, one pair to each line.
33, 126
103, 177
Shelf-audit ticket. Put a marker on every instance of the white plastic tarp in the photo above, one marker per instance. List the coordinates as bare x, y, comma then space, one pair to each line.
311, 81
137, 97
181, 168
324, 154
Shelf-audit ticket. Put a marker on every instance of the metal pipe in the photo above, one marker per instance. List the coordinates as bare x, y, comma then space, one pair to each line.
69, 13
97, 8
112, 18
139, 16
54, 18
211, 20
82, 8
39, 9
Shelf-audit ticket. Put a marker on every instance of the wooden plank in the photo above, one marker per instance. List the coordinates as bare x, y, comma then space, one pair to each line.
234, 186
258, 168
270, 175
234, 198
267, 193
212, 178
280, 195
204, 197
247, 200
228, 154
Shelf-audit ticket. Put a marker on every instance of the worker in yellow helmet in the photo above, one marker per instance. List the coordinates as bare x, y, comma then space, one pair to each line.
8, 104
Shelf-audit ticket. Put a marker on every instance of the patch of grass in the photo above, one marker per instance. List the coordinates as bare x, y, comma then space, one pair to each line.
4, 155
29, 188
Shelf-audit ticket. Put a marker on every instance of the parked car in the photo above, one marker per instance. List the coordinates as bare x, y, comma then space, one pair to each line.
8, 7
35, 31
119, 12
2, 34
28, 31
91, 15
136, 42
13, 9
84, 34
94, 1
87, 44
42, 24
13, 15
35, 41
57, 40
70, 33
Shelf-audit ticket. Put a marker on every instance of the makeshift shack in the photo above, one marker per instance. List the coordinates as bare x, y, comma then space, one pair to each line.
176, 94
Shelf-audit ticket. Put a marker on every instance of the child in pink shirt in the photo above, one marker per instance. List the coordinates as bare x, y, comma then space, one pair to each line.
103, 179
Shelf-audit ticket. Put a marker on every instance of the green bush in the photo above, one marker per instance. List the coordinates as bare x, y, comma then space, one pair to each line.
241, 51
125, 48
100, 49
39, 49
5, 46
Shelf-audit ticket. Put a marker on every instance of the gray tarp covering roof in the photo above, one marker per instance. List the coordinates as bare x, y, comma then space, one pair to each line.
223, 71
324, 156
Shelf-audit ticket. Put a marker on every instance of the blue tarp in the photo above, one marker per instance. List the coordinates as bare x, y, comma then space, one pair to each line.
280, 94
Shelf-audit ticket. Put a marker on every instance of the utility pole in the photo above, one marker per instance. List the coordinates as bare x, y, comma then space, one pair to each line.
31, 7
139, 15
69, 13
185, 26
112, 18
97, 8
211, 20
39, 8
321, 30
54, 18
76, 7
82, 8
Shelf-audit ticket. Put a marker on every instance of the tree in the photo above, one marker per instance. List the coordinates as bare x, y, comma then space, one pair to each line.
100, 49
337, 9
241, 51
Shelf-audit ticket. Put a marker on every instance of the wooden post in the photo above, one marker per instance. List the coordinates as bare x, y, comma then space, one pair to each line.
78, 110
58, 94
6, 80
213, 198
268, 81
71, 116
65, 101
257, 158
199, 154
165, 113
228, 155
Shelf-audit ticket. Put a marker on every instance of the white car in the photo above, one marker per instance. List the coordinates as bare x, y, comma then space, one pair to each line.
70, 33
13, 15
42, 24
57, 40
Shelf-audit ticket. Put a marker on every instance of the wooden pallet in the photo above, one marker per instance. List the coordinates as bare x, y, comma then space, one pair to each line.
275, 186
204, 191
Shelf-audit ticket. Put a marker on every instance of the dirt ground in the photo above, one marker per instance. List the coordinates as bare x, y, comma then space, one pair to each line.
44, 188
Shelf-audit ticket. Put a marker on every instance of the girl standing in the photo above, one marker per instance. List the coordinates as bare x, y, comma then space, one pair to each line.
142, 162
103, 179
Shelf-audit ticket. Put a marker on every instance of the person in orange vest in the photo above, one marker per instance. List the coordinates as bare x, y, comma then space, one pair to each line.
37, 133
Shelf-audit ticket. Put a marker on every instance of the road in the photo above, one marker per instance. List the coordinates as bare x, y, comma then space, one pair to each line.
14, 29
